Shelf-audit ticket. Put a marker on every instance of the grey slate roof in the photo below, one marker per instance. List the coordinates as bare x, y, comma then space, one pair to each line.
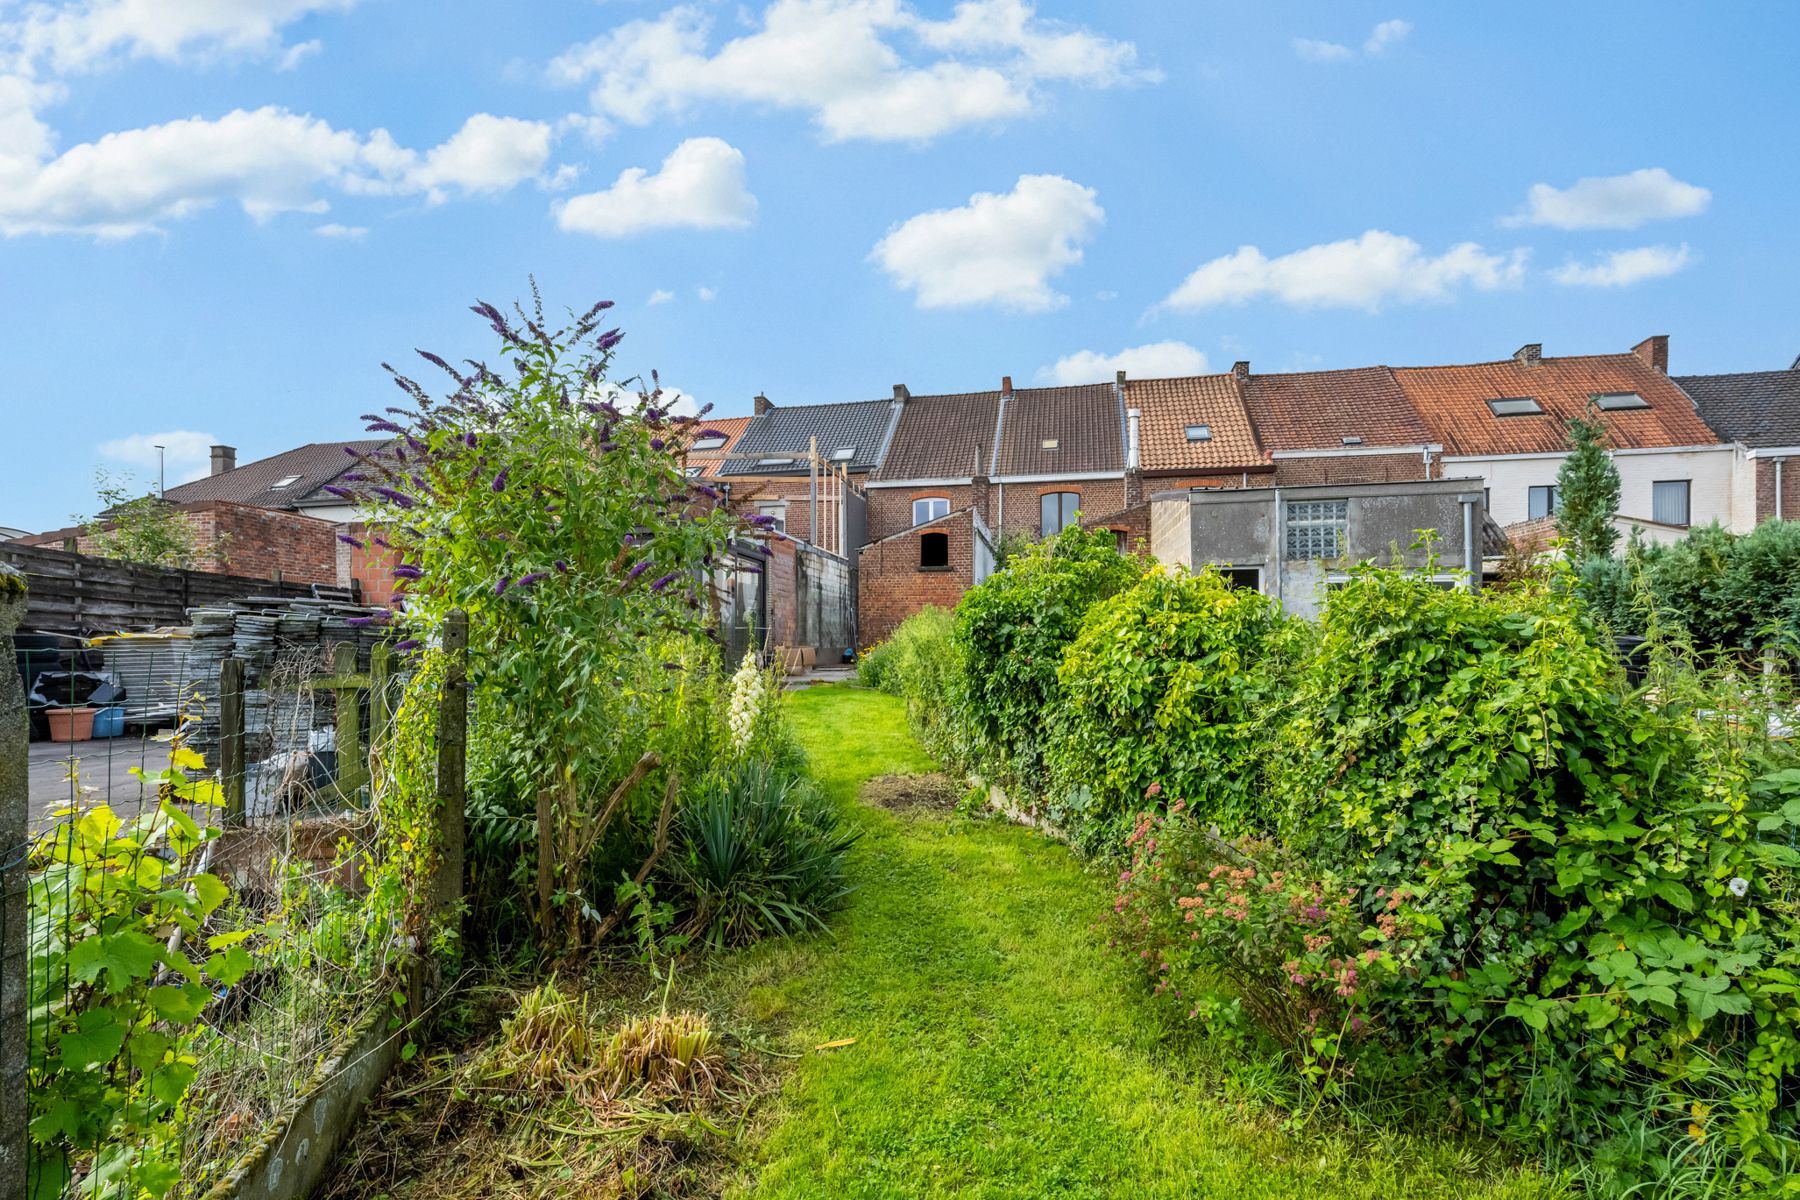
861, 426
1757, 408
316, 464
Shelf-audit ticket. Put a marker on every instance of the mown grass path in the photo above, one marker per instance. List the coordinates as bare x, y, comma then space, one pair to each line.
1000, 1051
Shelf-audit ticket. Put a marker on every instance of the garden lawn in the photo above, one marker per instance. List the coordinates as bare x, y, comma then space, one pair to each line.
1000, 1050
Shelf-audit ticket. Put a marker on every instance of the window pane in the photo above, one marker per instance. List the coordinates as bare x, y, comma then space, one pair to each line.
1541, 502
929, 509
1056, 510
1669, 501
1315, 528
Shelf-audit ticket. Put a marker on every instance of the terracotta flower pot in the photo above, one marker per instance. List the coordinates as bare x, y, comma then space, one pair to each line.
71, 724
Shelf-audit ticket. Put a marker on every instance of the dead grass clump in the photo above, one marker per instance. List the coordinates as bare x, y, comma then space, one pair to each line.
668, 1054
932, 790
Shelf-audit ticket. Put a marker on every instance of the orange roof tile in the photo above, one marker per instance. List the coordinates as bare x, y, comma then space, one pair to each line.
1167, 407
709, 461
1453, 403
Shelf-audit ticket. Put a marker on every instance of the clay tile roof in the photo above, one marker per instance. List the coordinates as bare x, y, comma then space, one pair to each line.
859, 426
1317, 410
254, 483
1083, 422
709, 461
1167, 407
1453, 402
1757, 408
942, 437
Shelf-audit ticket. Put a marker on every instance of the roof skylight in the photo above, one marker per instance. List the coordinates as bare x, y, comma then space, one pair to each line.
1353, 440
1199, 433
711, 443
287, 482
1613, 401
1515, 406
774, 462
843, 454
1047, 444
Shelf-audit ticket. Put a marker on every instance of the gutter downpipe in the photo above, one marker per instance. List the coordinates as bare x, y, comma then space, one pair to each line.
1778, 463
1468, 507
1280, 548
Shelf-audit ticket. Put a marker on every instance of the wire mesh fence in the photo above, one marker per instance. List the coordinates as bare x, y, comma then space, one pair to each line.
187, 907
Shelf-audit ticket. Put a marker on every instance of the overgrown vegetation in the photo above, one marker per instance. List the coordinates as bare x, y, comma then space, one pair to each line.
1440, 842
145, 528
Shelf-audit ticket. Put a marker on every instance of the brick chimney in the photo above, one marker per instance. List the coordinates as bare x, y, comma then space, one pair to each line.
1529, 355
1654, 350
1006, 385
224, 458
762, 404
1241, 369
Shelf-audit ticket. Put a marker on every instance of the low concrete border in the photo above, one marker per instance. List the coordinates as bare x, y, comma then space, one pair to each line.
300, 1145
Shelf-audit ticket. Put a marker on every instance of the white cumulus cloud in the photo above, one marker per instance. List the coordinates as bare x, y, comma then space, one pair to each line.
1155, 360
1385, 36
1612, 201
700, 185
1364, 272
78, 36
660, 296
1622, 268
187, 453
842, 62
268, 161
348, 232
999, 248
1315, 50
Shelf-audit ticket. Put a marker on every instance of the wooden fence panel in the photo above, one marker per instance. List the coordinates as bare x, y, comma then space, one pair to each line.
81, 594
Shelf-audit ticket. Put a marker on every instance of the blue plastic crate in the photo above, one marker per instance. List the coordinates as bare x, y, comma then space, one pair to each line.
109, 722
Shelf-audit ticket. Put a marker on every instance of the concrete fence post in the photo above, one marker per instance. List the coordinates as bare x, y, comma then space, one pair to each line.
15, 820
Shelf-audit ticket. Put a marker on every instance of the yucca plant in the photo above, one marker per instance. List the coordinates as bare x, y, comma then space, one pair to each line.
759, 853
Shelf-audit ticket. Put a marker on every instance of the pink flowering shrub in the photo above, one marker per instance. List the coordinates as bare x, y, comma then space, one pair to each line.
1310, 962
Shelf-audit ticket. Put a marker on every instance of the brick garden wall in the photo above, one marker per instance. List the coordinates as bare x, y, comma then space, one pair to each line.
264, 543
1350, 468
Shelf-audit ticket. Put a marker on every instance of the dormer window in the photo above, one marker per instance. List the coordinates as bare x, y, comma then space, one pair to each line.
1614, 401
1515, 406
1199, 433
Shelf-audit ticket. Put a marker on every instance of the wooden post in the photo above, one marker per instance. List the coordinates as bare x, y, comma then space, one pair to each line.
231, 739
381, 701
352, 770
452, 753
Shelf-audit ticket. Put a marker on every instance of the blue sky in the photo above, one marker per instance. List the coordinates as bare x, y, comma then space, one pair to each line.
217, 217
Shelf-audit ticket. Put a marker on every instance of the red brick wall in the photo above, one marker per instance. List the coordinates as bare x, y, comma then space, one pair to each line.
1349, 468
797, 493
778, 580
370, 565
890, 509
1765, 489
891, 586
1134, 523
1098, 498
259, 542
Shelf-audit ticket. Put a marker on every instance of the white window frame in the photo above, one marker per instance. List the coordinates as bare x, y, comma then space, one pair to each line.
1687, 501
776, 509
930, 503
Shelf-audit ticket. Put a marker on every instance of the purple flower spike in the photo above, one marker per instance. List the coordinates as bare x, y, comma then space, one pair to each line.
499, 484
561, 565
710, 433
656, 443
500, 588
671, 666
407, 644
359, 621
350, 541
408, 571
638, 569
531, 579
400, 498
382, 542
384, 427
354, 477
469, 439
762, 520
335, 490
665, 581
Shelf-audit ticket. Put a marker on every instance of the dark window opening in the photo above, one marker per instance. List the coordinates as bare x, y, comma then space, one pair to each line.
1056, 510
934, 550
1540, 501
1122, 540
1248, 578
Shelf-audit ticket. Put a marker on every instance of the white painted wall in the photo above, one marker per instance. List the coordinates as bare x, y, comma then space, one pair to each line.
1714, 473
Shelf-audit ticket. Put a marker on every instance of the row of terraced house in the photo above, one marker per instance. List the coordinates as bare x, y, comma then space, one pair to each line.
1281, 479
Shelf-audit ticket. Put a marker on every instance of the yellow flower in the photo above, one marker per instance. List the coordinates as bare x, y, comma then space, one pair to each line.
1697, 1133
